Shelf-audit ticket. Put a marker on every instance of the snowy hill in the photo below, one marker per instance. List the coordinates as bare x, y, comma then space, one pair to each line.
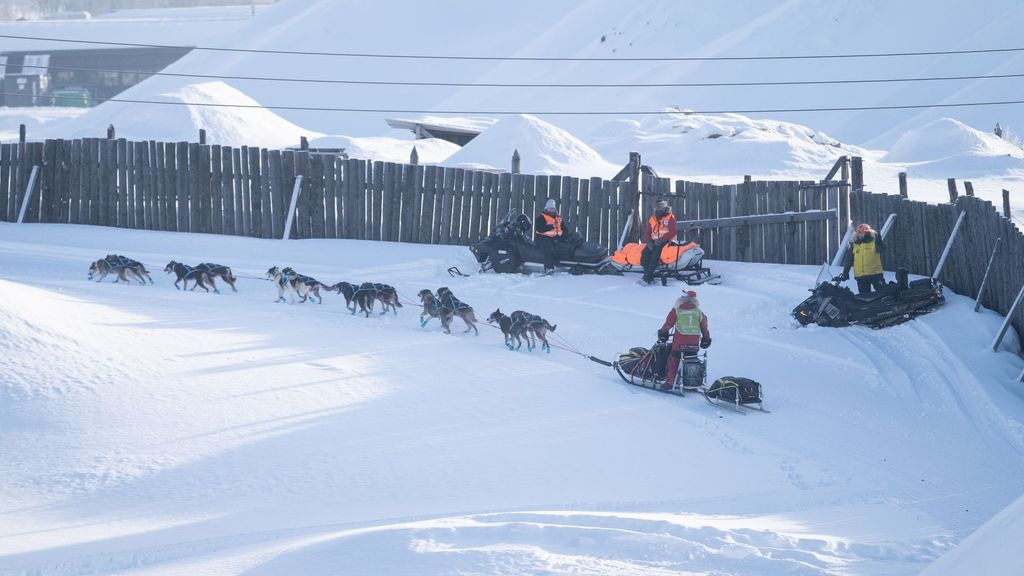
151, 431
948, 146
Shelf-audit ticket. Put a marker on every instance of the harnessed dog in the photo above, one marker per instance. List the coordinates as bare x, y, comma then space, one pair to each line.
121, 266
368, 292
348, 290
432, 308
537, 326
512, 329
458, 308
281, 281
305, 286
218, 271
185, 273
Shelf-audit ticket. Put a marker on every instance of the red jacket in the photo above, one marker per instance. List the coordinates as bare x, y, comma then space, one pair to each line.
670, 320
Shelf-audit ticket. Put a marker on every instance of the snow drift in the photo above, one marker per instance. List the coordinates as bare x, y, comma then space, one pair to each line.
947, 146
543, 149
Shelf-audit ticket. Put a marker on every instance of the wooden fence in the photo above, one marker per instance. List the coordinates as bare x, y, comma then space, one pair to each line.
191, 187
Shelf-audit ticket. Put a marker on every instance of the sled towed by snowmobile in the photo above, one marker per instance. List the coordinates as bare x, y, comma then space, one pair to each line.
509, 247
831, 304
679, 261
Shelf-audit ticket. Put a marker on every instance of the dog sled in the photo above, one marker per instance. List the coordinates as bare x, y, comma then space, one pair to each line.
646, 367
831, 304
679, 261
509, 248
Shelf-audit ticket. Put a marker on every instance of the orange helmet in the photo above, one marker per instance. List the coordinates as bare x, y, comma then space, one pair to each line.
863, 229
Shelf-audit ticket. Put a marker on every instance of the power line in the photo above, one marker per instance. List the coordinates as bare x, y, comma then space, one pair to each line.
545, 112
538, 85
525, 58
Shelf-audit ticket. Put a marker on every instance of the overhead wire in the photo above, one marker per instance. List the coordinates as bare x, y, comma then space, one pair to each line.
917, 53
542, 112
629, 85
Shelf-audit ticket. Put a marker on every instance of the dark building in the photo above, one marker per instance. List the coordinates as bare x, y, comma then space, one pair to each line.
77, 77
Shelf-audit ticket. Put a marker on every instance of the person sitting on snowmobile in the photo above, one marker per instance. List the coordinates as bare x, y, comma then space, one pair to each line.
548, 228
691, 329
660, 230
864, 255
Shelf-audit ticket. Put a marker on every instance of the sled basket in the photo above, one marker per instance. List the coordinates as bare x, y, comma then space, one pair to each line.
736, 392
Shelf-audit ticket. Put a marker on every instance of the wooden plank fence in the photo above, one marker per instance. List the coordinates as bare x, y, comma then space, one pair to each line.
192, 187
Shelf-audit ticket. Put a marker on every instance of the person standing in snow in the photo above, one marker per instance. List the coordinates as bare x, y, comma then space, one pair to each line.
864, 255
691, 326
548, 228
659, 231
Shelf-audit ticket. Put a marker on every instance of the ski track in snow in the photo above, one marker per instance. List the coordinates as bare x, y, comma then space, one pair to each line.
152, 431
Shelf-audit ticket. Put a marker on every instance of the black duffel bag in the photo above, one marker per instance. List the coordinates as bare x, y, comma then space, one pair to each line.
729, 388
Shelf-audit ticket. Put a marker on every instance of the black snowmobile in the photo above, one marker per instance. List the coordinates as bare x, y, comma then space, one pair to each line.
833, 305
509, 247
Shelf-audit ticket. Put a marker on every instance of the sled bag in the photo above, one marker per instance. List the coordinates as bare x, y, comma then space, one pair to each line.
728, 388
645, 364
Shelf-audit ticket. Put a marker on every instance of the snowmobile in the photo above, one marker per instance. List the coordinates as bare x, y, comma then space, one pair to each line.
509, 247
679, 261
831, 304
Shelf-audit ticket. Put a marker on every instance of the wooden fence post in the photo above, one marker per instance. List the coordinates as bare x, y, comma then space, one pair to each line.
111, 133
22, 134
1006, 203
303, 143
516, 162
968, 188
857, 173
951, 185
414, 157
202, 135
903, 184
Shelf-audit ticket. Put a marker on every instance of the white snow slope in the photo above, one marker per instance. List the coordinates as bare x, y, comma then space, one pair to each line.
149, 431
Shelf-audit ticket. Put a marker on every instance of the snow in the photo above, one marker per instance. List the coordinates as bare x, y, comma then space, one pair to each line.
151, 431
543, 149
947, 146
185, 112
986, 551
389, 148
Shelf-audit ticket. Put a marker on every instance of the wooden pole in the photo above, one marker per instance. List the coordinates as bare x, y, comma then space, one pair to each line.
857, 173
202, 135
1006, 322
984, 279
28, 193
949, 244
414, 157
1006, 203
111, 133
951, 185
968, 188
516, 162
303, 143
22, 134
291, 208
903, 185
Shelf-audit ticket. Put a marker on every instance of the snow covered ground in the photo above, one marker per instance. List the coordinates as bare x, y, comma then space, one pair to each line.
149, 431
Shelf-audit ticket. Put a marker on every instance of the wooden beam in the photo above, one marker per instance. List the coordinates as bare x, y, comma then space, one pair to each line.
903, 184
951, 185
1007, 321
984, 279
808, 216
1006, 203
835, 168
968, 188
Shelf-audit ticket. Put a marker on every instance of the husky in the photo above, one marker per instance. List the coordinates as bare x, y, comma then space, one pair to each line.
218, 271
512, 330
281, 281
348, 290
305, 286
185, 273
369, 292
536, 326
458, 308
122, 266
432, 309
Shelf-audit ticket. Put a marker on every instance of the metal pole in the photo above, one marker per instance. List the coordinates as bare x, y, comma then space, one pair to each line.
888, 225
291, 208
625, 229
949, 244
841, 253
28, 193
984, 279
1006, 321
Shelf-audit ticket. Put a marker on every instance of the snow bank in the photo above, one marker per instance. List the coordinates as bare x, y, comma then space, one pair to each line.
543, 149
387, 149
990, 550
950, 147
184, 114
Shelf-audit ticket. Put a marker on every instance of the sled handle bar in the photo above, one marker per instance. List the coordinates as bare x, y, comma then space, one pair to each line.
599, 361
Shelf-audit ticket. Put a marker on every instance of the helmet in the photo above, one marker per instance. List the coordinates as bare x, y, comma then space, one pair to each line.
690, 293
661, 208
863, 229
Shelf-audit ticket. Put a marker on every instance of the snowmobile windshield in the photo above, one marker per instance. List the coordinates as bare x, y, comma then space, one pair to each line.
824, 275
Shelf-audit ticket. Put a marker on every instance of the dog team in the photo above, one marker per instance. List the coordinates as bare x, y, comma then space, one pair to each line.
361, 297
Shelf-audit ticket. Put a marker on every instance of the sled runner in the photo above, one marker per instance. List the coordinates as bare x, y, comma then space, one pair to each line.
509, 248
831, 304
683, 262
